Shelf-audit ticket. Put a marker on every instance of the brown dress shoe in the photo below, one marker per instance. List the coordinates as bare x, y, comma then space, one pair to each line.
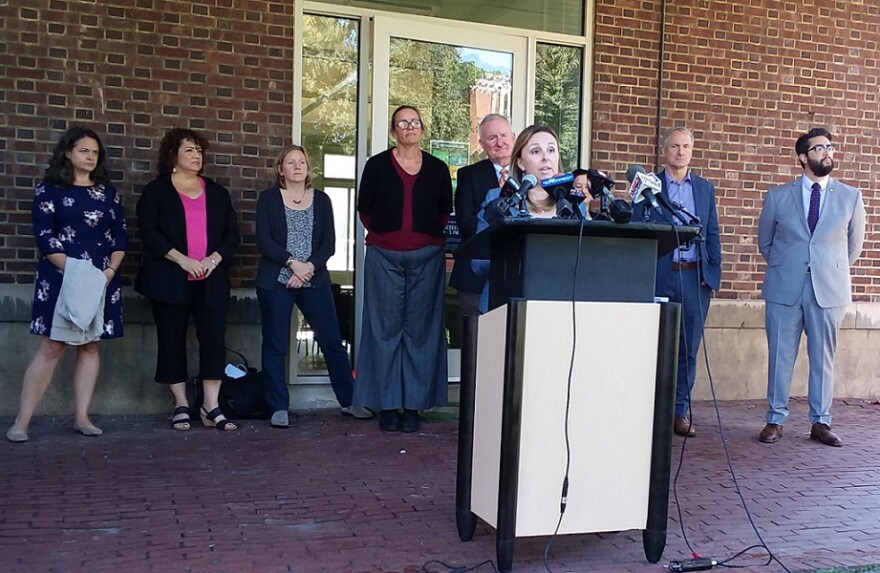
822, 433
770, 434
683, 427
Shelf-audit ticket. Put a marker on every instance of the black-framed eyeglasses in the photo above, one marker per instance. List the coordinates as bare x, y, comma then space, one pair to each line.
405, 123
821, 147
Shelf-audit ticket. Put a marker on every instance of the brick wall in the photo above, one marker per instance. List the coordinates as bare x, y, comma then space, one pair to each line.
132, 70
747, 78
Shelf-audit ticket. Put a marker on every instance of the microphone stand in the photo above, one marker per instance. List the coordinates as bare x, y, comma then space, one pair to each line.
678, 211
693, 219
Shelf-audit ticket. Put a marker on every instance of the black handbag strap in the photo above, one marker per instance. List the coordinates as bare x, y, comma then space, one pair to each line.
240, 355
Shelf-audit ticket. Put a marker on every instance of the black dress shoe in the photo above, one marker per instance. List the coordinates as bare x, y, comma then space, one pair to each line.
683, 427
822, 433
770, 434
389, 420
411, 421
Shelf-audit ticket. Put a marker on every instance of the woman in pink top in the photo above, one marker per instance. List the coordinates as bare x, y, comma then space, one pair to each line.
189, 232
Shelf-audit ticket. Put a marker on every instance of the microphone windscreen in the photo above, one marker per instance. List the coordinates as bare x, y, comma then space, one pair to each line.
633, 171
528, 181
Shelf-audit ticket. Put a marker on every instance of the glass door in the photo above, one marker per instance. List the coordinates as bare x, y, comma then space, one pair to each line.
455, 76
330, 115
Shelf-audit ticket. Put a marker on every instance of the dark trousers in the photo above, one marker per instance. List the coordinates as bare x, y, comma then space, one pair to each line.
172, 323
318, 308
684, 287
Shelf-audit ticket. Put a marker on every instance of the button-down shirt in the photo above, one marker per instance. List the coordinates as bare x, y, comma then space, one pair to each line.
807, 190
682, 192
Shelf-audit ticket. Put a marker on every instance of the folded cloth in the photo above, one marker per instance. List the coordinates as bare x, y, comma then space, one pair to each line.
79, 312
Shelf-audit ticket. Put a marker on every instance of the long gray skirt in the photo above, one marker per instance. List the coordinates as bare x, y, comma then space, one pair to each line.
401, 360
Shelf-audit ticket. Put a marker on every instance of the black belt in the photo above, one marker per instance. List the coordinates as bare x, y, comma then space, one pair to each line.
684, 266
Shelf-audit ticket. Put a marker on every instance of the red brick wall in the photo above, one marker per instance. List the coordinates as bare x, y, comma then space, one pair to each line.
747, 78
132, 70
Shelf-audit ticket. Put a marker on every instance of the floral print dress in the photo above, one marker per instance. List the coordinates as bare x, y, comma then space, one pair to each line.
83, 222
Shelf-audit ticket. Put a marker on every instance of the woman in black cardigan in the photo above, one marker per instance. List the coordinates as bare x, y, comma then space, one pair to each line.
189, 232
296, 237
404, 201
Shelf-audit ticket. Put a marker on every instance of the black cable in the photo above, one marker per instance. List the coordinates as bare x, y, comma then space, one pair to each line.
763, 544
458, 568
563, 500
701, 326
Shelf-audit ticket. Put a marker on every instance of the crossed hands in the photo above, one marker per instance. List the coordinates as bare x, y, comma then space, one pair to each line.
198, 269
302, 273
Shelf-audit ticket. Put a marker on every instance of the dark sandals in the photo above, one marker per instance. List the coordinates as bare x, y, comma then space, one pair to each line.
181, 419
216, 419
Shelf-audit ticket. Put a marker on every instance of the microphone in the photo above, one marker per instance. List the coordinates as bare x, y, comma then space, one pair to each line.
500, 207
643, 186
559, 187
509, 189
512, 194
601, 185
528, 182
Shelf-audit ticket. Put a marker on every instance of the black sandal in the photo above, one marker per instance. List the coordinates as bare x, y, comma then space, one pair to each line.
216, 419
181, 419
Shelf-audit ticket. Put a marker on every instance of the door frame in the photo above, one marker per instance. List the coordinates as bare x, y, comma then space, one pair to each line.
376, 29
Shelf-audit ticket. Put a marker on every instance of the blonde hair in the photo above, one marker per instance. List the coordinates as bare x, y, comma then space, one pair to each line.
279, 178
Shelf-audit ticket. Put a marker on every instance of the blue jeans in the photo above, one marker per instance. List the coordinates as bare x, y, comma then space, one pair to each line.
318, 308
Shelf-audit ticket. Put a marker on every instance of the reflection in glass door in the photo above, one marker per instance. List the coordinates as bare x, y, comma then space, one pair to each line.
330, 80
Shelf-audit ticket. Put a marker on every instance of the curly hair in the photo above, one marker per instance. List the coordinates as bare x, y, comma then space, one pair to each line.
279, 178
60, 170
170, 145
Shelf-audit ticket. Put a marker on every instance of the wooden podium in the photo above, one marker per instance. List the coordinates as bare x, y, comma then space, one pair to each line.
515, 384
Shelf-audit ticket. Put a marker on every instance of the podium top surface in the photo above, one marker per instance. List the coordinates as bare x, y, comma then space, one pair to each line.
667, 236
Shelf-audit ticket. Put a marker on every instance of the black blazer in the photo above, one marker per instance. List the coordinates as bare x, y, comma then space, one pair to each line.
473, 183
272, 238
162, 226
380, 195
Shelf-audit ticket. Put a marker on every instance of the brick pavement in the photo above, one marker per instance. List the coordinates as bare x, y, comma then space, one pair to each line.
333, 494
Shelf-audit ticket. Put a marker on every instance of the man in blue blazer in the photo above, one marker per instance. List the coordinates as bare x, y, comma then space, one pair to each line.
474, 181
810, 233
689, 274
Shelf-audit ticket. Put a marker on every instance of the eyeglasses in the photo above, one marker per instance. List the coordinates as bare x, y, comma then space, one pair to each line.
820, 147
405, 123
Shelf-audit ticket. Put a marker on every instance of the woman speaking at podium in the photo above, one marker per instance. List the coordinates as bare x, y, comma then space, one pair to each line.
536, 153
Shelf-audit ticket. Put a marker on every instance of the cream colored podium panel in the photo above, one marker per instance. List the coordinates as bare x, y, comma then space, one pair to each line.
610, 416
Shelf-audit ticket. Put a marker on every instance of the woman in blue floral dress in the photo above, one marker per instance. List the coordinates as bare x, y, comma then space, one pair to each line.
76, 214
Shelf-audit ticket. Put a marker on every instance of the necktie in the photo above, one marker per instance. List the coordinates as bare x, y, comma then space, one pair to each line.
503, 178
813, 213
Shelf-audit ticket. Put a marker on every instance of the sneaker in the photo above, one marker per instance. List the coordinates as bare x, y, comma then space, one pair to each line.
280, 419
358, 412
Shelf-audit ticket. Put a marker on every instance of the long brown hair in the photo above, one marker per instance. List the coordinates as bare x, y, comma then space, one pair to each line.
520, 144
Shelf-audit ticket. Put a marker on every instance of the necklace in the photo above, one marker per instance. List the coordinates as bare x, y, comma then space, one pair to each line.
301, 197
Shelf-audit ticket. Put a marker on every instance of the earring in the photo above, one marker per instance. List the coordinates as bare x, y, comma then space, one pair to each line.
174, 170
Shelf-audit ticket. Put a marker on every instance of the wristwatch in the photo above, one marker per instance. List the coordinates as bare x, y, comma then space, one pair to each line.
289, 262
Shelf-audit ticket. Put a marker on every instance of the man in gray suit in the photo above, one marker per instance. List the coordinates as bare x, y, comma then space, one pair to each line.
810, 233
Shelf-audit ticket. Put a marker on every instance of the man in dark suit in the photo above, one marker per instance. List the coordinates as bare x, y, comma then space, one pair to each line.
810, 233
688, 275
496, 139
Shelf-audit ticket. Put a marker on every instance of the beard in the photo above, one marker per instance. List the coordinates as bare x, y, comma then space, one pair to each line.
822, 167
